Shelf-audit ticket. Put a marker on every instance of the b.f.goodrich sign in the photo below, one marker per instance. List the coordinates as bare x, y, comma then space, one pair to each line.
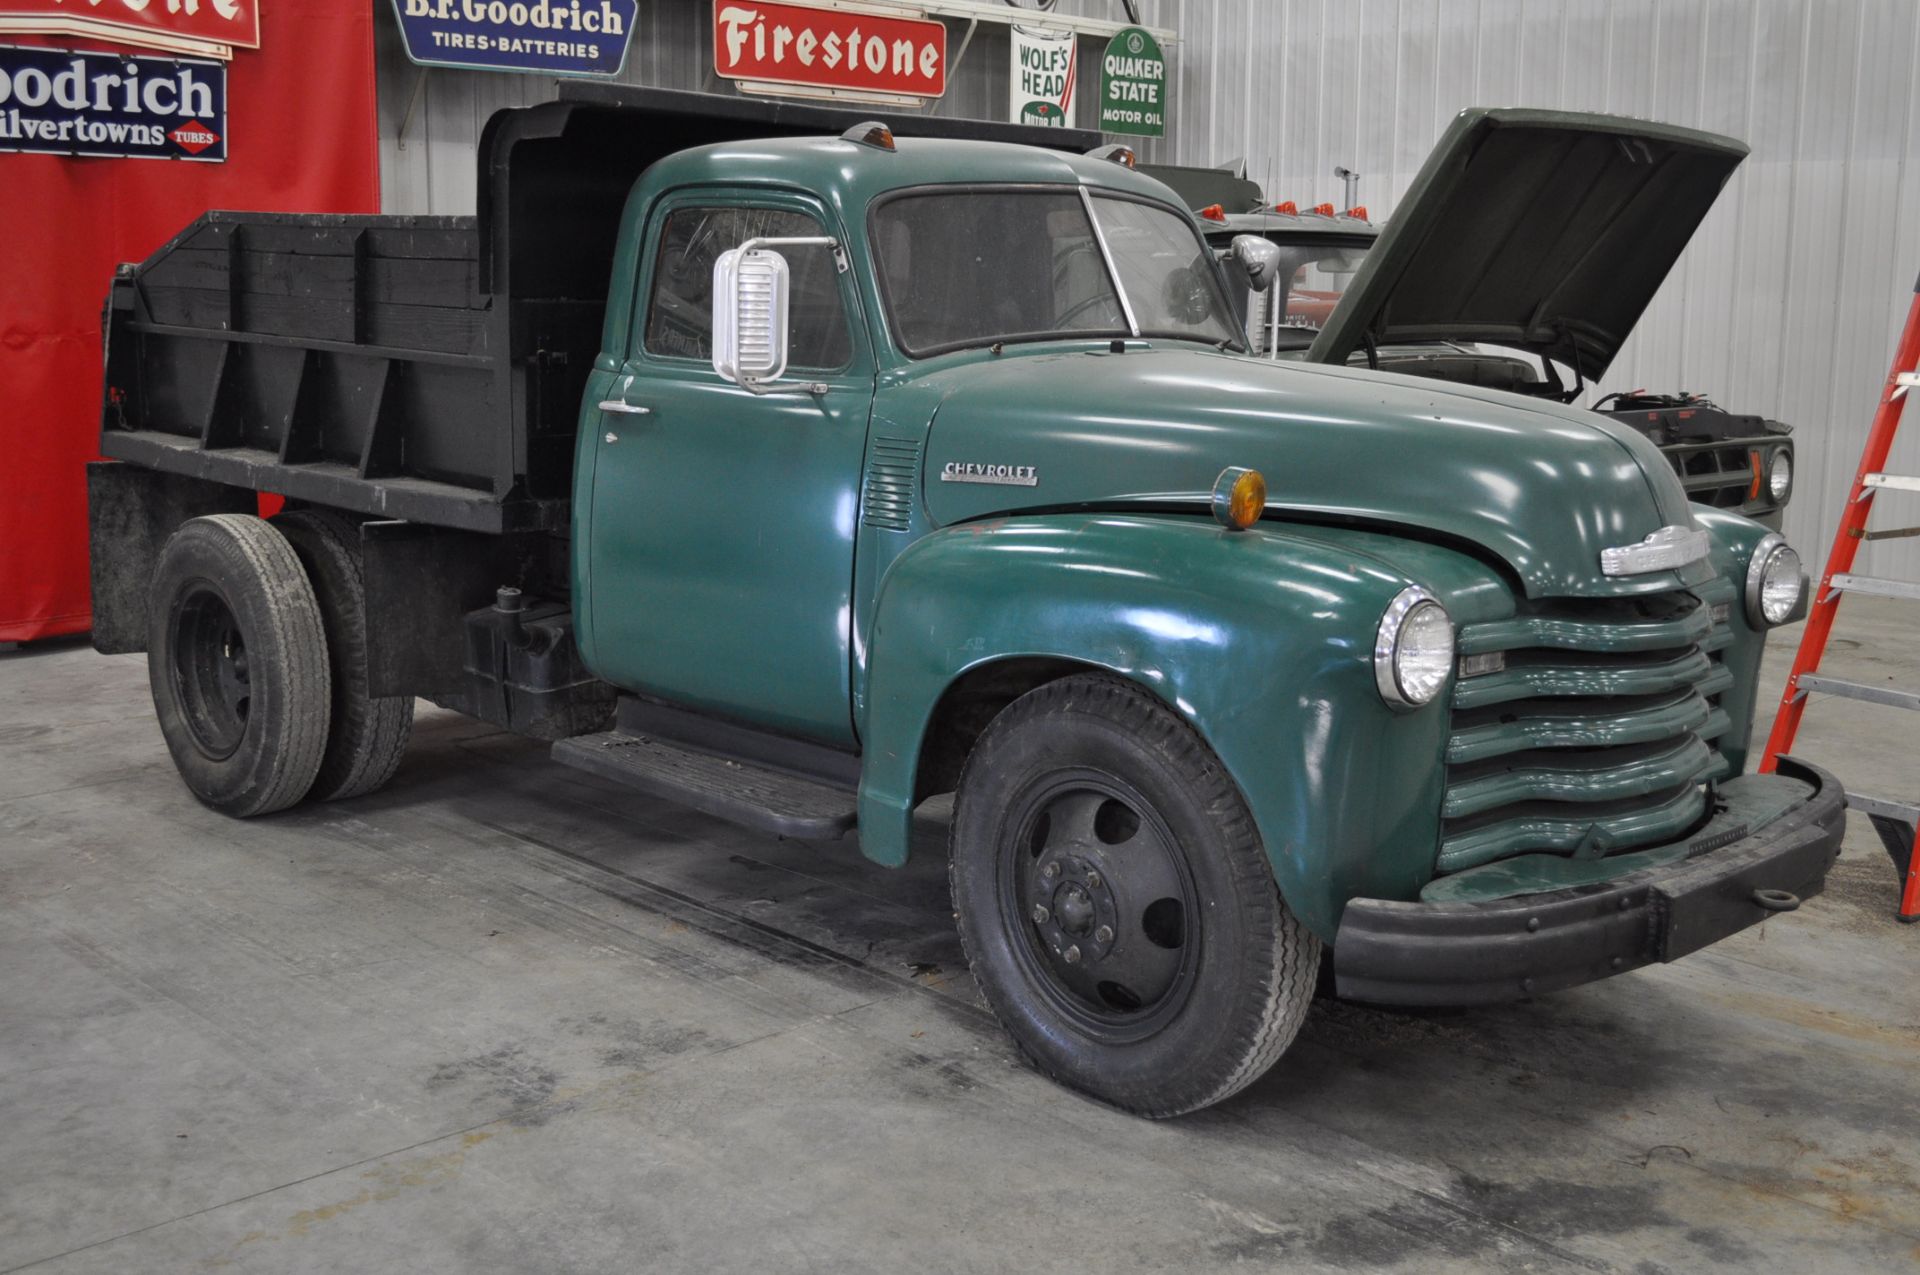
82, 102
557, 37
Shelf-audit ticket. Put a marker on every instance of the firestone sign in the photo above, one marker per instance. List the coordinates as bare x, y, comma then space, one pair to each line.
81, 102
554, 37
804, 51
1133, 85
212, 28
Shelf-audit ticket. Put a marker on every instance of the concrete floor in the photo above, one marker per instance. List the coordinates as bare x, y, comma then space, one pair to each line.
504, 1017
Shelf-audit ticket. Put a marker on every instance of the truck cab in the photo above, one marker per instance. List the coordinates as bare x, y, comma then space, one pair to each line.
898, 466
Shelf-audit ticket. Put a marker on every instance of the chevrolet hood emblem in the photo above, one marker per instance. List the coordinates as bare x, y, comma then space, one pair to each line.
1664, 550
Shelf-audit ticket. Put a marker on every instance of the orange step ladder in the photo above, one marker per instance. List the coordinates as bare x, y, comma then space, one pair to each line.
1895, 821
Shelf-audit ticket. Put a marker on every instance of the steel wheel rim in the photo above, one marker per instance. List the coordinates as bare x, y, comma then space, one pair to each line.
1098, 898
210, 666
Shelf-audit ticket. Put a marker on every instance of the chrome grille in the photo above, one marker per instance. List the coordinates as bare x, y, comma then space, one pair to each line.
1598, 734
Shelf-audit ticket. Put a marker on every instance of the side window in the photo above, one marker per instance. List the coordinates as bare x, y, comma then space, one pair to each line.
680, 309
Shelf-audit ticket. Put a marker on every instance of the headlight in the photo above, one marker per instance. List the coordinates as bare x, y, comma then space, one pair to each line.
1773, 582
1413, 651
1779, 476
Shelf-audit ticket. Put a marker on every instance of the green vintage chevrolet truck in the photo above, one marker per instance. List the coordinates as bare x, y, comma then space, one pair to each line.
800, 473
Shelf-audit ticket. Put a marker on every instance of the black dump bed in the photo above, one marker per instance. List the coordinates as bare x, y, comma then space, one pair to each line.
419, 368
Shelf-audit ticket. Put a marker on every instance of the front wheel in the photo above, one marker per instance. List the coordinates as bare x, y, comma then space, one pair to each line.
1116, 905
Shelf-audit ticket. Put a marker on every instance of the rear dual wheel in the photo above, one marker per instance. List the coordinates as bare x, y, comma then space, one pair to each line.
257, 656
1116, 904
237, 661
366, 733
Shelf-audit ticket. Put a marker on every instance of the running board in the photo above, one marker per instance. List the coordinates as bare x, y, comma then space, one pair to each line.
789, 788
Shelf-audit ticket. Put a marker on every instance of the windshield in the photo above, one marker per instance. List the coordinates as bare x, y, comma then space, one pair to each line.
975, 267
1313, 275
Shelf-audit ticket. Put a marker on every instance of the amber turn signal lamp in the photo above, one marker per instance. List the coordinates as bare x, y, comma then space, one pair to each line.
872, 133
1239, 496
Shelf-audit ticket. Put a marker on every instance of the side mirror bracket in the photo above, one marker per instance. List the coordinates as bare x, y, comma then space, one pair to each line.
751, 289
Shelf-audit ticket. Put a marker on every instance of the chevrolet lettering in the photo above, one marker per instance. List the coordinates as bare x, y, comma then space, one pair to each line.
718, 469
955, 471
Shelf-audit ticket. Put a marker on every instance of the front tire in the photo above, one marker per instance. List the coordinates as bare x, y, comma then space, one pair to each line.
1116, 905
237, 660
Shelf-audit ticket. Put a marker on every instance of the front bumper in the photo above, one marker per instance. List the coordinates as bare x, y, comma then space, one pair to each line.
1479, 953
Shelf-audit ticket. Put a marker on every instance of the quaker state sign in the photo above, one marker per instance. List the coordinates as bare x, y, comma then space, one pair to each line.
1133, 85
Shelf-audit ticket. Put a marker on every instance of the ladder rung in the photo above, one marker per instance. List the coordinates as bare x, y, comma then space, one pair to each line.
1889, 695
1899, 482
1896, 533
1845, 582
1902, 810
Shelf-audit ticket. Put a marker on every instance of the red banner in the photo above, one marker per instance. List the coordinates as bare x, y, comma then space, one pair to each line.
829, 48
300, 137
173, 25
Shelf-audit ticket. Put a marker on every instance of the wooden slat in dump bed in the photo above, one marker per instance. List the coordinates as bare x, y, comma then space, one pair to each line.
367, 280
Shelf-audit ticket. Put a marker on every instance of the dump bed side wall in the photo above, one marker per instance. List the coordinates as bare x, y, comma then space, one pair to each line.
351, 361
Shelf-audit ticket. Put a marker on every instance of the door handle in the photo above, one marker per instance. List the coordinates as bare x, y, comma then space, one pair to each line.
624, 407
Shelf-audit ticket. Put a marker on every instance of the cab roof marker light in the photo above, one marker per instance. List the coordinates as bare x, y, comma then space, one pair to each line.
1323, 210
870, 133
1239, 497
1358, 210
1214, 212
1290, 208
1118, 153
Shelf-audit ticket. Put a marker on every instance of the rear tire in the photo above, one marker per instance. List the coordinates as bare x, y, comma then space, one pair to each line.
366, 734
1116, 905
237, 659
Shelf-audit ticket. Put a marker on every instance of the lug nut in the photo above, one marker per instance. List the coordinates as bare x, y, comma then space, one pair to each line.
1104, 934
1072, 955
1051, 871
1093, 880
1040, 914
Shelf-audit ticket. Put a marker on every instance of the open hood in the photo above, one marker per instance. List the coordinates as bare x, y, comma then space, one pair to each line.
1547, 231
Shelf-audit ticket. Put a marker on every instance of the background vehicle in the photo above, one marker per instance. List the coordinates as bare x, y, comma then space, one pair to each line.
1460, 215
804, 478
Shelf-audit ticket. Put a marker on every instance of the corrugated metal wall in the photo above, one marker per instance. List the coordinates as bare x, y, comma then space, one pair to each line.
1788, 301
430, 121
1786, 304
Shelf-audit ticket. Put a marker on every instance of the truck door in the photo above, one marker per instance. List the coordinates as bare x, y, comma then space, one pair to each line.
722, 522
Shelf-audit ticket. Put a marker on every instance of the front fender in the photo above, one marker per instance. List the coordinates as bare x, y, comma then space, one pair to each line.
1262, 640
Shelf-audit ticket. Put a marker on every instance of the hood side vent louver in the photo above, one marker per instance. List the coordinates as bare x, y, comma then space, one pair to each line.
893, 476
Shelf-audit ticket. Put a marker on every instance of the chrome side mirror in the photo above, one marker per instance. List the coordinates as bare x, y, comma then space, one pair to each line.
751, 285
1259, 258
